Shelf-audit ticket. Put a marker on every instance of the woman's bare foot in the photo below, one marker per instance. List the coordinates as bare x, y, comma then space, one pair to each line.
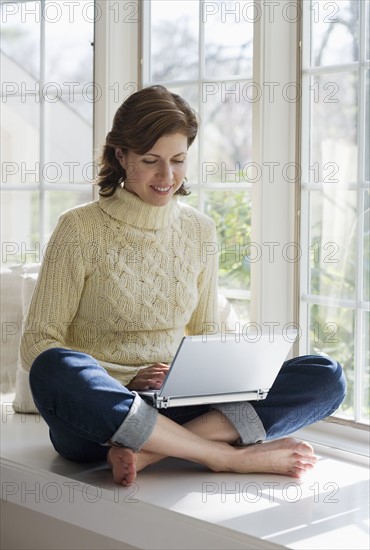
284, 456
123, 464
145, 458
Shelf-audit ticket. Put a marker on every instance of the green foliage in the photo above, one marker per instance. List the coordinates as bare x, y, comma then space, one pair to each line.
232, 214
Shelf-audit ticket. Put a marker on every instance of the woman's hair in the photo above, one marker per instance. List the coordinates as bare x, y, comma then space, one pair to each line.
139, 122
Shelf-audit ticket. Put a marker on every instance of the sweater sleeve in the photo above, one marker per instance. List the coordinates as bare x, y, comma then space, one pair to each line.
205, 317
57, 293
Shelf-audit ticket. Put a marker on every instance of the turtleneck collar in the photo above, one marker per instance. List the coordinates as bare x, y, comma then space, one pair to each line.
129, 208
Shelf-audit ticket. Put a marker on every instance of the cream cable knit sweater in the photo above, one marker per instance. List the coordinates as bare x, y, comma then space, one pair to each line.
123, 281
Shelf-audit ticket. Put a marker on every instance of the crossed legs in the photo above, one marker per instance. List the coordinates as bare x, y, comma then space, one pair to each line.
111, 423
208, 441
306, 390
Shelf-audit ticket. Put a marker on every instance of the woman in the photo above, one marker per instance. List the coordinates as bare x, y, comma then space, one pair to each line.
122, 280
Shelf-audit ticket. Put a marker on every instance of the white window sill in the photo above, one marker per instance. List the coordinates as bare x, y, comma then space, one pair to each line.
339, 440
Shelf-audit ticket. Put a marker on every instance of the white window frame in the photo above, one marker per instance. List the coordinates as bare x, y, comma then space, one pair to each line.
358, 305
116, 61
42, 186
275, 216
274, 212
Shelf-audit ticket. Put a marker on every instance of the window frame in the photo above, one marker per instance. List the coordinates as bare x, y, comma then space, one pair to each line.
358, 305
116, 62
42, 186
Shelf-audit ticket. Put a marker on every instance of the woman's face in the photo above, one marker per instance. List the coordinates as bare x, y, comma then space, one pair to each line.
156, 175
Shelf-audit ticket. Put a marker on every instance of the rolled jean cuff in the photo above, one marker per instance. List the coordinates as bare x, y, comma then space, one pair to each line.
245, 420
137, 427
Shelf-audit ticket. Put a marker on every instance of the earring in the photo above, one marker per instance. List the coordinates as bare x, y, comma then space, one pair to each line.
121, 183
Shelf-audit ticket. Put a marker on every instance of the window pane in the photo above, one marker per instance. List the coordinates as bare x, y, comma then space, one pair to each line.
68, 93
365, 412
20, 140
174, 40
228, 38
333, 226
21, 241
366, 258
191, 200
46, 114
191, 94
334, 32
20, 102
334, 129
367, 127
20, 38
226, 158
232, 215
68, 154
57, 202
20, 238
68, 45
367, 35
332, 333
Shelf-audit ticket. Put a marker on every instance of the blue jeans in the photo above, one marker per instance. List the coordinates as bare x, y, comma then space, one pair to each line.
87, 410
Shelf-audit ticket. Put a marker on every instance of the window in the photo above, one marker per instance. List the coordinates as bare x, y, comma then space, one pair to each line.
335, 202
47, 99
204, 51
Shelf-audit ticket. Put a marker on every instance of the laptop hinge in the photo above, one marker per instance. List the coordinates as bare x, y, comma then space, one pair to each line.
163, 402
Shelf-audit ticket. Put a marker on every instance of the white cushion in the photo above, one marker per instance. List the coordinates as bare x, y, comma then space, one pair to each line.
23, 401
11, 324
11, 321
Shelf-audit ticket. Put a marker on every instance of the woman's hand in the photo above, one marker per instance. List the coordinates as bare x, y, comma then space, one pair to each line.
150, 377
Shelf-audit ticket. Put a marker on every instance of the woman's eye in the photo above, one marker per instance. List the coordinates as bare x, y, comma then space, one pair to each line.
178, 161
149, 161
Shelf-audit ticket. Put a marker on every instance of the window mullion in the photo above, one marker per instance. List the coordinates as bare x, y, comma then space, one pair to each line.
145, 41
361, 120
273, 214
41, 197
332, 69
201, 75
305, 141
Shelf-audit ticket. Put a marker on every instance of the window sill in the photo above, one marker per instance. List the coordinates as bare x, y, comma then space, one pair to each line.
177, 504
339, 440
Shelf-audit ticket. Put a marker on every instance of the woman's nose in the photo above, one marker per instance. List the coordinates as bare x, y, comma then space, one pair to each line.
165, 169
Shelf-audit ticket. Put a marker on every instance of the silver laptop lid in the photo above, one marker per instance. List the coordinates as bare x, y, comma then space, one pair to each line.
221, 364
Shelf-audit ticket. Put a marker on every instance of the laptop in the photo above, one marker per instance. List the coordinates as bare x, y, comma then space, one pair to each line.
222, 368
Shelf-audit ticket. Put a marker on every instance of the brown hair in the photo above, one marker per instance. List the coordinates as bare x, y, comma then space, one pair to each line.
139, 122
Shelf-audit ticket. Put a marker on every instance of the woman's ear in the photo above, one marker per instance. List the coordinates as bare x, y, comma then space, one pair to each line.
120, 156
